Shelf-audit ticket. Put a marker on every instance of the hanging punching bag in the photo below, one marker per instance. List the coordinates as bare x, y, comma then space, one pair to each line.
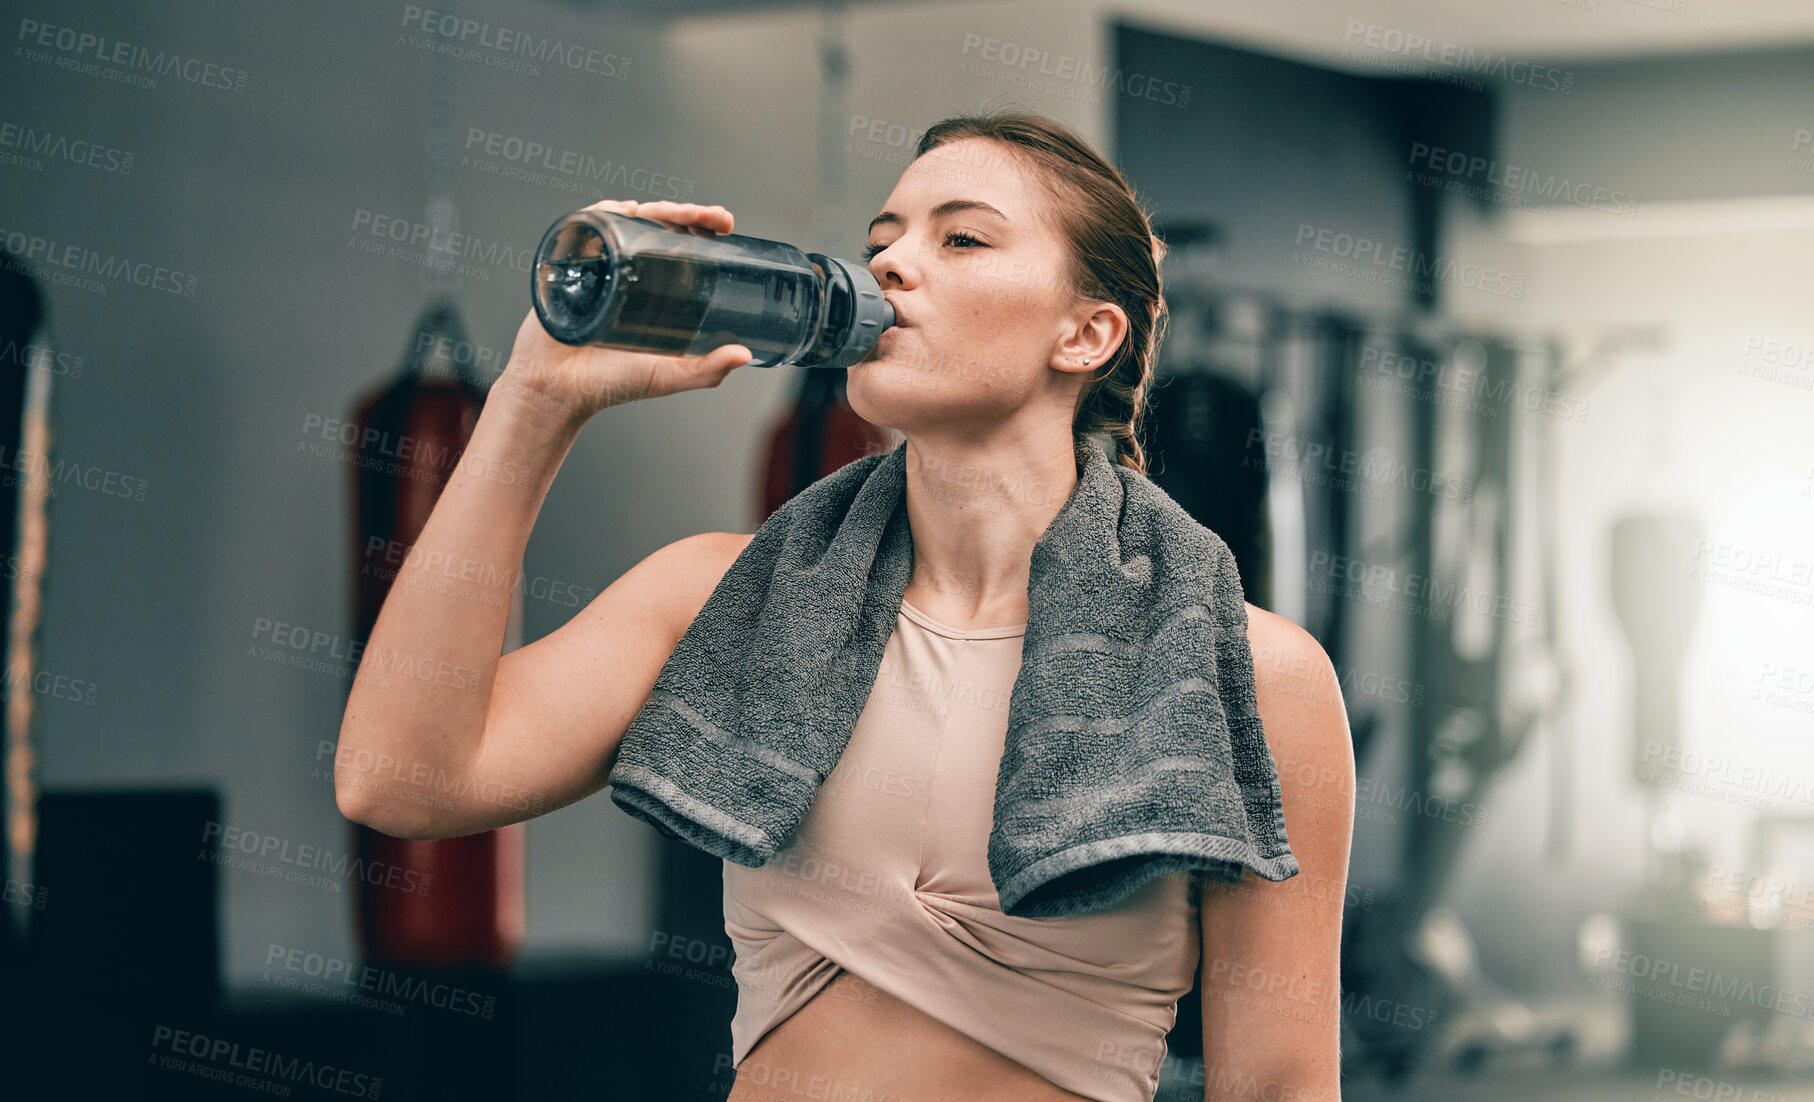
412, 432
1201, 425
817, 436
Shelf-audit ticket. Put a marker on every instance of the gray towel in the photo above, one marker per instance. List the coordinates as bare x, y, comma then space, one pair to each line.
1134, 746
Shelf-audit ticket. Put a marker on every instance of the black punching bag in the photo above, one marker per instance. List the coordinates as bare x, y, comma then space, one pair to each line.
1197, 452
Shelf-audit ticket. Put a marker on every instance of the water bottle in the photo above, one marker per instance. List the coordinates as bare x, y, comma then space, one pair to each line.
602, 278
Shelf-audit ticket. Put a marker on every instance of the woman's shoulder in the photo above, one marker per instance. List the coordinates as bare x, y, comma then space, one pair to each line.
1281, 647
1299, 693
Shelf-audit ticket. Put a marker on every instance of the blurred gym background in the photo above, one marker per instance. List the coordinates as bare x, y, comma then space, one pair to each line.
1490, 356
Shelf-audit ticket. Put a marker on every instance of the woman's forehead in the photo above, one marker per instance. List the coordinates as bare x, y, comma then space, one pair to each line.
980, 172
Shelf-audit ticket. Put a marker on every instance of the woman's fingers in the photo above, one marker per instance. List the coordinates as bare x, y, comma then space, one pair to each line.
701, 221
696, 218
616, 206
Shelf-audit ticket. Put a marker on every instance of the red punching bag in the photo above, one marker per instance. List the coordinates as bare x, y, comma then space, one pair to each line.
819, 434
468, 907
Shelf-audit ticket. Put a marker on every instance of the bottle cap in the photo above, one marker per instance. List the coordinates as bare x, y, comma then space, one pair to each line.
870, 312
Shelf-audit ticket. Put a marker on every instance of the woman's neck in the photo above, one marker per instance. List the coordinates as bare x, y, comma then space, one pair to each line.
976, 512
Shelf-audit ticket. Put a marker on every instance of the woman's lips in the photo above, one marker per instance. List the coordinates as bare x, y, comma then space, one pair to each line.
900, 323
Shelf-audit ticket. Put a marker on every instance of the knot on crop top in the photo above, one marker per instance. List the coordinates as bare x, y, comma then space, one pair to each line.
888, 877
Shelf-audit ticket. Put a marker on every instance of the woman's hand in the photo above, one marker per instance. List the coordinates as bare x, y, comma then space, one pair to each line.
581, 381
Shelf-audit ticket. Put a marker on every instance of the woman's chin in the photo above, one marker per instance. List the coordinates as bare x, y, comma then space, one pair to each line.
880, 393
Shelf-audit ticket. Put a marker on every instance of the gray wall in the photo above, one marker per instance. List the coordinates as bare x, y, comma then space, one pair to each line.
1265, 146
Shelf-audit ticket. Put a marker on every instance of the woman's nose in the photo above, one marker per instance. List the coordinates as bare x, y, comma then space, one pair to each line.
894, 262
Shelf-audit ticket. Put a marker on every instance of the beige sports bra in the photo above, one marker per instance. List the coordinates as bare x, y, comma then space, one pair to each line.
888, 878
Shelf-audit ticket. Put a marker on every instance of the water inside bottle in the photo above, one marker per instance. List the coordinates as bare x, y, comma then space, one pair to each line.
676, 305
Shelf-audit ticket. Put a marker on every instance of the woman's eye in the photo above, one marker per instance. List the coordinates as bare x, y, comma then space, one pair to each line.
956, 238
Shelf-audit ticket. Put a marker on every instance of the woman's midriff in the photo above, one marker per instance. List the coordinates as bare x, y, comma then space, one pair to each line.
854, 1040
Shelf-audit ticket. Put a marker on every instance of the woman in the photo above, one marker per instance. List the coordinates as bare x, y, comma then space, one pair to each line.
1025, 279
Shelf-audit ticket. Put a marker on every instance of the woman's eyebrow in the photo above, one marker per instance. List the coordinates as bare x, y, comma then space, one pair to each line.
949, 206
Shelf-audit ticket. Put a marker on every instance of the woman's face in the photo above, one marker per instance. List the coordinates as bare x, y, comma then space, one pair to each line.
963, 250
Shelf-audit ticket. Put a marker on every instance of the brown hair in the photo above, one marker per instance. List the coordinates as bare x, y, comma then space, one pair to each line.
1114, 257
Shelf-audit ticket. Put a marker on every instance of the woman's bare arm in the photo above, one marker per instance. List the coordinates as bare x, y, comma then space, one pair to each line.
563, 703
558, 711
1272, 951
443, 735
425, 680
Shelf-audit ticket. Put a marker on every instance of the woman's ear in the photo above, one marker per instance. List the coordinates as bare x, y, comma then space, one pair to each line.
1095, 340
